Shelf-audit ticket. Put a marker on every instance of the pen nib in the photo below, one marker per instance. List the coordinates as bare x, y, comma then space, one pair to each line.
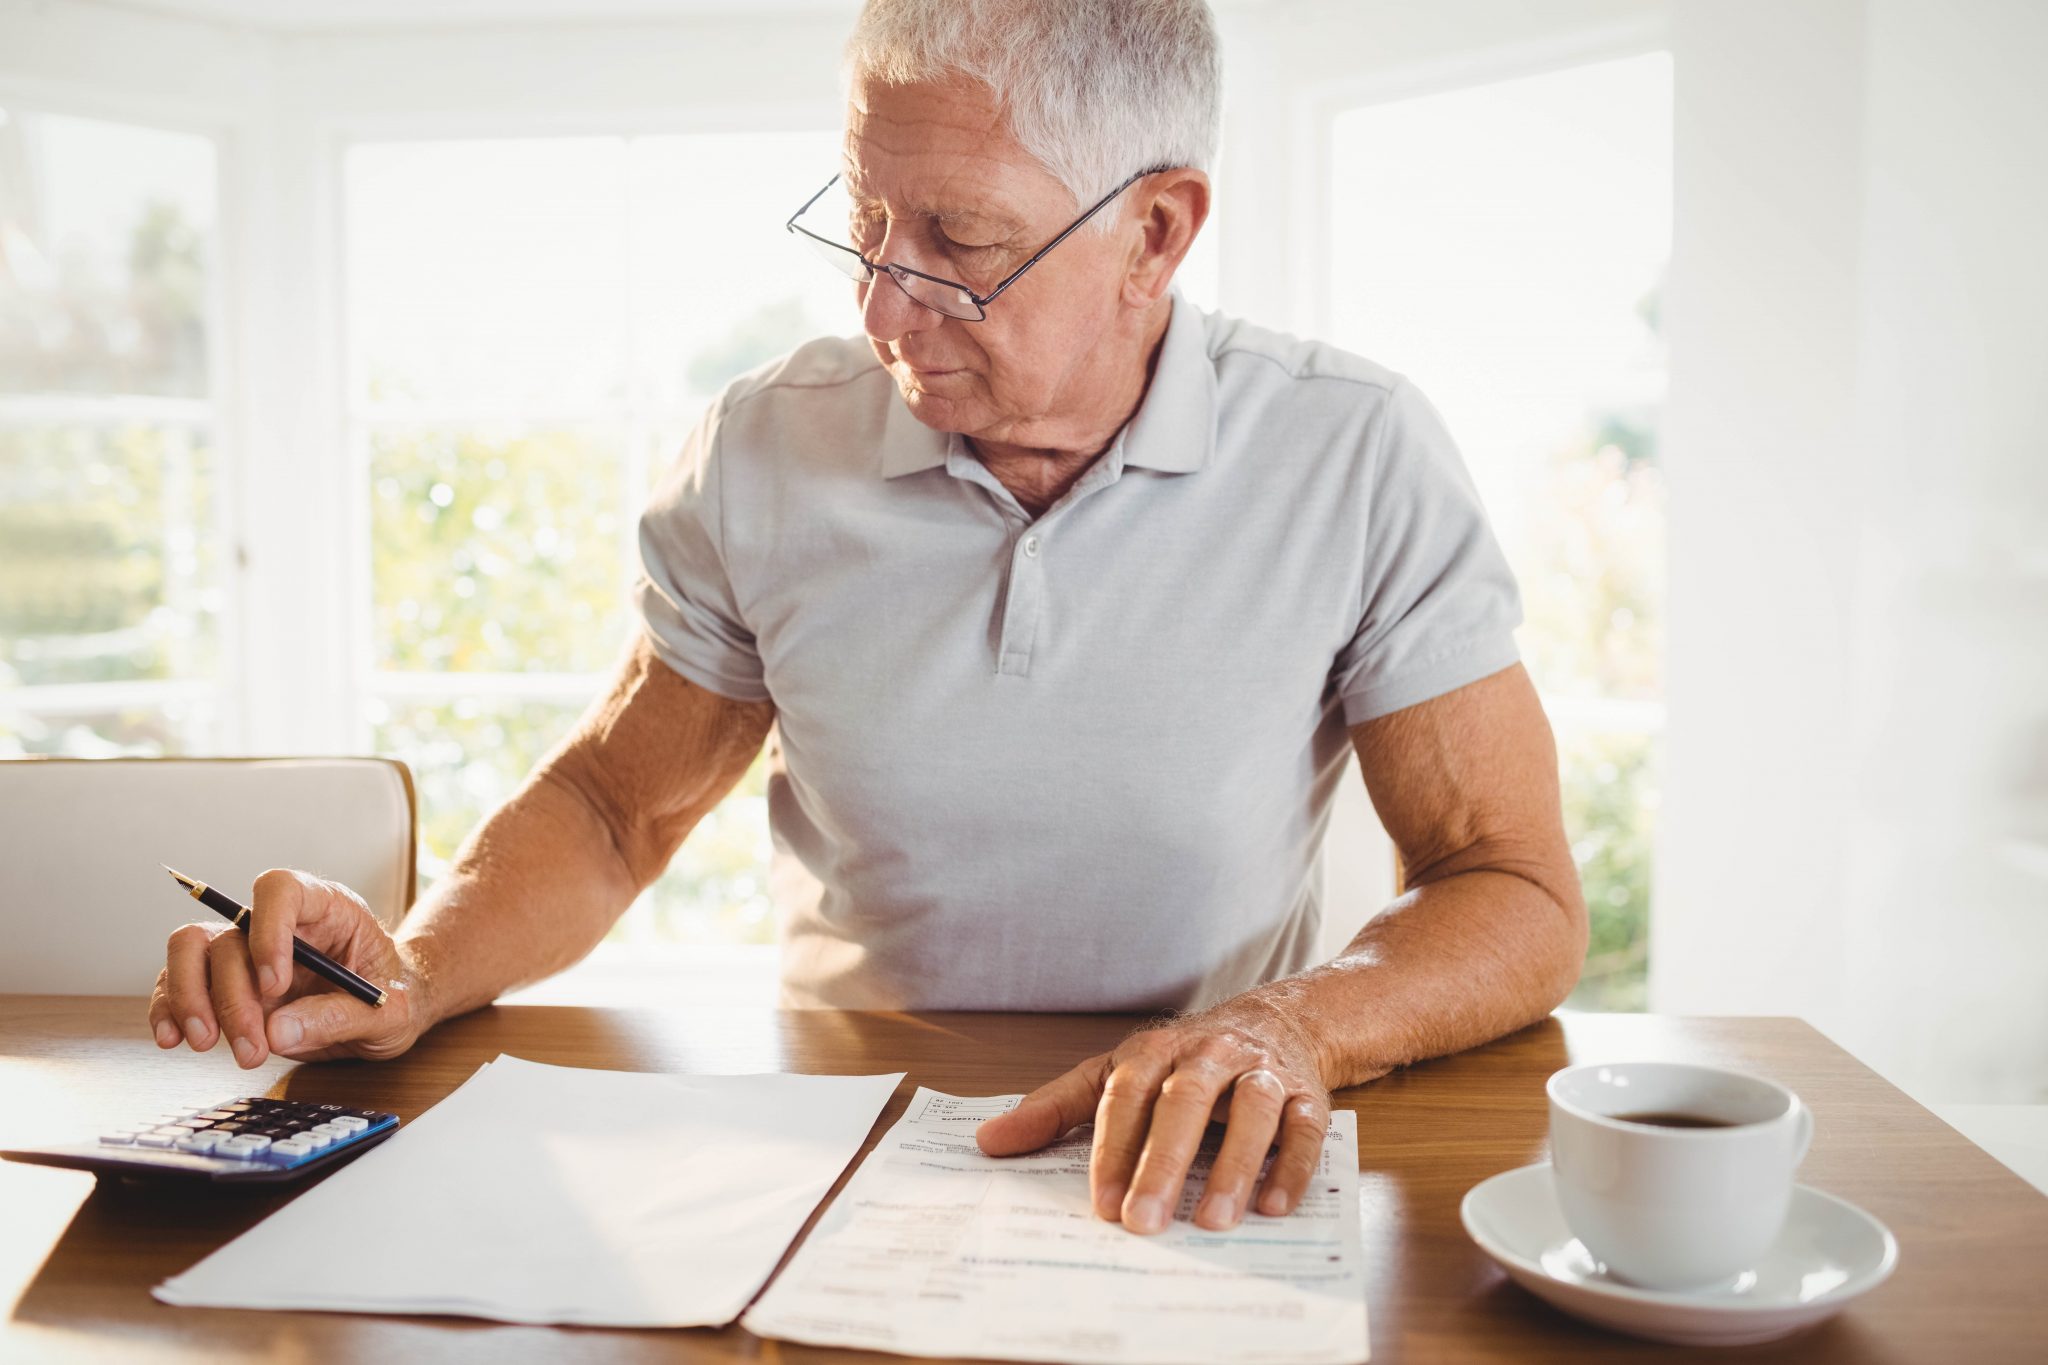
183, 880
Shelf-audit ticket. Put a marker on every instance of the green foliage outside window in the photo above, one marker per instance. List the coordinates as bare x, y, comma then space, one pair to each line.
1610, 806
1593, 587
496, 552
470, 755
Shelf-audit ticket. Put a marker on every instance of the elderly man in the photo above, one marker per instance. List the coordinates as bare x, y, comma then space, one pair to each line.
1064, 599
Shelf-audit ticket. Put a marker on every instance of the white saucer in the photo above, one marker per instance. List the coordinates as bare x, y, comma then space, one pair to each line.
1829, 1253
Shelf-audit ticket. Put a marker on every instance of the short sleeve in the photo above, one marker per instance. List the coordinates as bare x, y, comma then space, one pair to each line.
685, 593
1439, 606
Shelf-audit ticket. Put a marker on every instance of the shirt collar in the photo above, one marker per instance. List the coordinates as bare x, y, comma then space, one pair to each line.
1173, 430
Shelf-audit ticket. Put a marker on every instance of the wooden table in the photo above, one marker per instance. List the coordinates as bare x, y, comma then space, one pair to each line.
77, 1261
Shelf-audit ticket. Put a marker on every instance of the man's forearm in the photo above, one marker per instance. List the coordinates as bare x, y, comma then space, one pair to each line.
1449, 965
534, 888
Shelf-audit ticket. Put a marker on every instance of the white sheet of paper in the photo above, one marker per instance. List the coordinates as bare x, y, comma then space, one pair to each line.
545, 1194
934, 1249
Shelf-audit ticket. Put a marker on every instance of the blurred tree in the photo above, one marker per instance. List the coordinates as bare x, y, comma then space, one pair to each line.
771, 330
1593, 585
496, 552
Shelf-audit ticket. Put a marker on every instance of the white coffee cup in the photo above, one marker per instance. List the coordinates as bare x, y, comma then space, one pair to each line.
1669, 1207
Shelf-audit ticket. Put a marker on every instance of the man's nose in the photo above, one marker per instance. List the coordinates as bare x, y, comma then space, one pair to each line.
888, 314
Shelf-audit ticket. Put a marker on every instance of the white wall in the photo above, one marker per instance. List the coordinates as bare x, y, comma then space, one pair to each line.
1856, 826
1761, 316
1946, 878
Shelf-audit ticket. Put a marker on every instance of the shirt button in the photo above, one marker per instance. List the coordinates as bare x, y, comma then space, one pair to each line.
1031, 547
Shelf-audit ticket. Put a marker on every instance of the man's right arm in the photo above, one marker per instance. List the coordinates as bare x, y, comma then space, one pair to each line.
533, 889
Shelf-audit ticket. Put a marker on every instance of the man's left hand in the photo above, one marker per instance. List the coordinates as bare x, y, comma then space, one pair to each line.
1243, 1063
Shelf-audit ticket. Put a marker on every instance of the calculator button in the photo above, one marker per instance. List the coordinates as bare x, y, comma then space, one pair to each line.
236, 1107
192, 1123
352, 1124
198, 1142
215, 1115
248, 1142
118, 1139
291, 1147
152, 1140
315, 1139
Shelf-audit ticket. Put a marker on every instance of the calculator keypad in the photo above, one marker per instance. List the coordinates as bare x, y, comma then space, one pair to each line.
275, 1133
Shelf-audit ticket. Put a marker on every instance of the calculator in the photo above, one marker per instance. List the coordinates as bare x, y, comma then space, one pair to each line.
252, 1140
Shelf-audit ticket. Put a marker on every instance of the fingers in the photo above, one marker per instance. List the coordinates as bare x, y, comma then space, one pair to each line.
1255, 1105
1302, 1127
1122, 1118
219, 983
1047, 1114
162, 1022
1179, 1118
279, 903
307, 1026
188, 996
235, 1003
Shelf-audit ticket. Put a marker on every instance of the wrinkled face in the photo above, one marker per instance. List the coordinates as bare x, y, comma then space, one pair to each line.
939, 185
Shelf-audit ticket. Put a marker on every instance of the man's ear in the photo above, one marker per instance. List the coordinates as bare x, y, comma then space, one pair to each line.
1171, 208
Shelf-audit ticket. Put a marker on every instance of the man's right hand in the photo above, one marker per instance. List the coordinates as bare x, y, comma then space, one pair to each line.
219, 981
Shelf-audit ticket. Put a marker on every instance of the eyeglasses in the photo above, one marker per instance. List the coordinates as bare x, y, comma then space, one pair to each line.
947, 297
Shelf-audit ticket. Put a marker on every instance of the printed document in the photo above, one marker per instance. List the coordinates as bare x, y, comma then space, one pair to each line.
545, 1194
934, 1249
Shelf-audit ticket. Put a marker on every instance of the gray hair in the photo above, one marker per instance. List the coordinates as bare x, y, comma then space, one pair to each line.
1093, 89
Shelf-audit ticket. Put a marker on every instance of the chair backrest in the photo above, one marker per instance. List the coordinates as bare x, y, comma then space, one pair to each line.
84, 907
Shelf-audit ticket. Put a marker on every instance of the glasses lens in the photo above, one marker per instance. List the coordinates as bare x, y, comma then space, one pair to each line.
939, 296
841, 258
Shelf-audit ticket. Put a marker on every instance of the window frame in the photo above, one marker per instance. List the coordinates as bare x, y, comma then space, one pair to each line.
644, 427
217, 417
1311, 170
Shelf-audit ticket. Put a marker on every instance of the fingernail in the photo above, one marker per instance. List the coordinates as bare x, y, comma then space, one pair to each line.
166, 1033
1218, 1211
1110, 1202
195, 1032
287, 1030
267, 975
1146, 1214
245, 1052
1273, 1203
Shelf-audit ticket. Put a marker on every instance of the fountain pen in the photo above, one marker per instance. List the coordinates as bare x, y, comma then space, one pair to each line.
304, 953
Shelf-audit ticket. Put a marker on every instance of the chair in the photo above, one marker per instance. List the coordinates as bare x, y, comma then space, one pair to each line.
88, 909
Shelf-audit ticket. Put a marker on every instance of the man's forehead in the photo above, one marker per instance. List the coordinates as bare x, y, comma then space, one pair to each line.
934, 195
937, 149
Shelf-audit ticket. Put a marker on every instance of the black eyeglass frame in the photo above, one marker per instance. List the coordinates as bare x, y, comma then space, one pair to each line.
980, 301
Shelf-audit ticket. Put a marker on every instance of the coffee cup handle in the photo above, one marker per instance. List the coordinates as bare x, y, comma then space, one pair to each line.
1805, 1138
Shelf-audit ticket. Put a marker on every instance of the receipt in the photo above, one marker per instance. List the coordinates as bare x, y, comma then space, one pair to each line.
934, 1249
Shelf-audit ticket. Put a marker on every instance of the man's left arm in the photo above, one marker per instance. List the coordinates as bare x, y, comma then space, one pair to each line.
1487, 938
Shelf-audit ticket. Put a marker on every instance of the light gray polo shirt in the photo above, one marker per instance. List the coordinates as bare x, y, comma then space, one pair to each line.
1082, 761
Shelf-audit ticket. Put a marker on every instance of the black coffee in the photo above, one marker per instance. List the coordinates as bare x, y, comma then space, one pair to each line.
1676, 1120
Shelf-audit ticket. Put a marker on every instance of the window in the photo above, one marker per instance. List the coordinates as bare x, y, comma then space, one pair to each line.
1503, 245
533, 326
114, 587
